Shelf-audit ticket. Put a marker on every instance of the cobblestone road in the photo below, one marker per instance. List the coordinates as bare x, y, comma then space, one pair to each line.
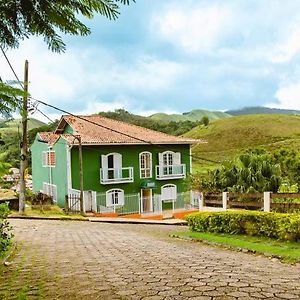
83, 260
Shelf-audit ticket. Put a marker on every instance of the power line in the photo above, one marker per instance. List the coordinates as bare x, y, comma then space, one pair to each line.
92, 122
119, 132
11, 67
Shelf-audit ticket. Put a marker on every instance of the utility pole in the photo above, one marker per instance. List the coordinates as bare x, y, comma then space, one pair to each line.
82, 210
23, 144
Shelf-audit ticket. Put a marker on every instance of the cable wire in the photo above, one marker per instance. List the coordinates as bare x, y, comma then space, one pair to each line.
94, 123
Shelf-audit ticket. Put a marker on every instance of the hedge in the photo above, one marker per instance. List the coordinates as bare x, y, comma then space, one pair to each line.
273, 225
5, 229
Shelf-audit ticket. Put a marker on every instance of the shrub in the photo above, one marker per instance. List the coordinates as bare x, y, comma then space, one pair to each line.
4, 211
273, 225
41, 199
5, 229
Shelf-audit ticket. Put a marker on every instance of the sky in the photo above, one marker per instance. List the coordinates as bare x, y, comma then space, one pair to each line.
172, 56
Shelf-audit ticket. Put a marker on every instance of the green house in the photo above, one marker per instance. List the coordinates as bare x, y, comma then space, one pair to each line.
126, 168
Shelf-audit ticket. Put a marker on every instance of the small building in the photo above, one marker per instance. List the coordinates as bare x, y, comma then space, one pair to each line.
126, 168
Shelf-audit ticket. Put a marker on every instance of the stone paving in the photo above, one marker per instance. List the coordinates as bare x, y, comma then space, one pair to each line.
83, 260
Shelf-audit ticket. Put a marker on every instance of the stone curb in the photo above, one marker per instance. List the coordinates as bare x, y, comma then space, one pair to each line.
138, 221
129, 221
226, 246
47, 218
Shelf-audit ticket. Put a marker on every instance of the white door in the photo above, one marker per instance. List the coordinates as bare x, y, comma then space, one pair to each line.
88, 200
147, 205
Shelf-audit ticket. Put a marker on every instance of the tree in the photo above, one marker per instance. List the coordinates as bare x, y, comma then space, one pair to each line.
250, 172
205, 120
20, 19
10, 99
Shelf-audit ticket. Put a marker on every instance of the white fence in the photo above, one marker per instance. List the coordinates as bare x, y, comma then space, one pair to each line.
133, 204
50, 190
89, 200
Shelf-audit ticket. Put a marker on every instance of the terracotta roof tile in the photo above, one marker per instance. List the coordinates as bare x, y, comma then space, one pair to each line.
96, 129
49, 137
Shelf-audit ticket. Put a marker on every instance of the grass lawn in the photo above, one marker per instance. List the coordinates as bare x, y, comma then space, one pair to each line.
288, 251
48, 212
6, 193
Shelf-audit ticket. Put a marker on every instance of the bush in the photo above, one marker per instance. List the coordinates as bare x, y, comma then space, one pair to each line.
4, 211
273, 225
41, 199
5, 229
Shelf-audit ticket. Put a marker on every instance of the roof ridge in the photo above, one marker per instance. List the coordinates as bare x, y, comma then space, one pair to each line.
128, 124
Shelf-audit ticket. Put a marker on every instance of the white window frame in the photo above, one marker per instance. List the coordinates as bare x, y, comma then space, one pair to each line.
110, 199
174, 192
150, 162
167, 153
46, 158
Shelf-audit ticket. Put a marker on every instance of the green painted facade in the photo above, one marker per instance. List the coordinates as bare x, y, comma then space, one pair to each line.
130, 158
58, 175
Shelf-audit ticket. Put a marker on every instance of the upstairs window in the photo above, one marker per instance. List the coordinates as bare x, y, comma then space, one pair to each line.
169, 158
145, 165
49, 158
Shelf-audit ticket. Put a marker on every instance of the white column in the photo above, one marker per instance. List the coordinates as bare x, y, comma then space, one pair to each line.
224, 200
94, 201
267, 201
201, 200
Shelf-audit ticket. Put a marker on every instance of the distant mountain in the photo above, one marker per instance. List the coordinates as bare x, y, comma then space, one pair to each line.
194, 116
14, 124
254, 110
174, 128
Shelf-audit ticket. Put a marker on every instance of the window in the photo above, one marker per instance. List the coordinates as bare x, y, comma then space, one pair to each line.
49, 158
111, 166
50, 190
168, 159
168, 192
168, 162
114, 197
145, 165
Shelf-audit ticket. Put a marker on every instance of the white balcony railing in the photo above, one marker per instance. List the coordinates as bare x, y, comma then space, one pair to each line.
112, 175
170, 172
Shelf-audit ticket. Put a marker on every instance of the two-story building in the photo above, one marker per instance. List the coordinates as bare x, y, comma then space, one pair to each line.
126, 168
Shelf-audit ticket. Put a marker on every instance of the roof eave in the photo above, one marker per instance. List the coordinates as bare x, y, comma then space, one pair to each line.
140, 143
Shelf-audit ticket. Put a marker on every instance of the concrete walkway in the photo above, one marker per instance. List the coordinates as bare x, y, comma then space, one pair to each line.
90, 260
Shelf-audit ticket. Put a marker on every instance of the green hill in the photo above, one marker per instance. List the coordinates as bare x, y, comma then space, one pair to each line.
14, 124
194, 116
253, 110
229, 137
174, 128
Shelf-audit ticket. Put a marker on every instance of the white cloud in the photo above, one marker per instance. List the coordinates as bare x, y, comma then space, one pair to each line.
78, 79
288, 94
288, 47
194, 28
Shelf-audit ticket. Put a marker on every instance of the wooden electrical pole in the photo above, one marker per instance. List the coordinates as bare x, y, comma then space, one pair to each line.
23, 144
82, 210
